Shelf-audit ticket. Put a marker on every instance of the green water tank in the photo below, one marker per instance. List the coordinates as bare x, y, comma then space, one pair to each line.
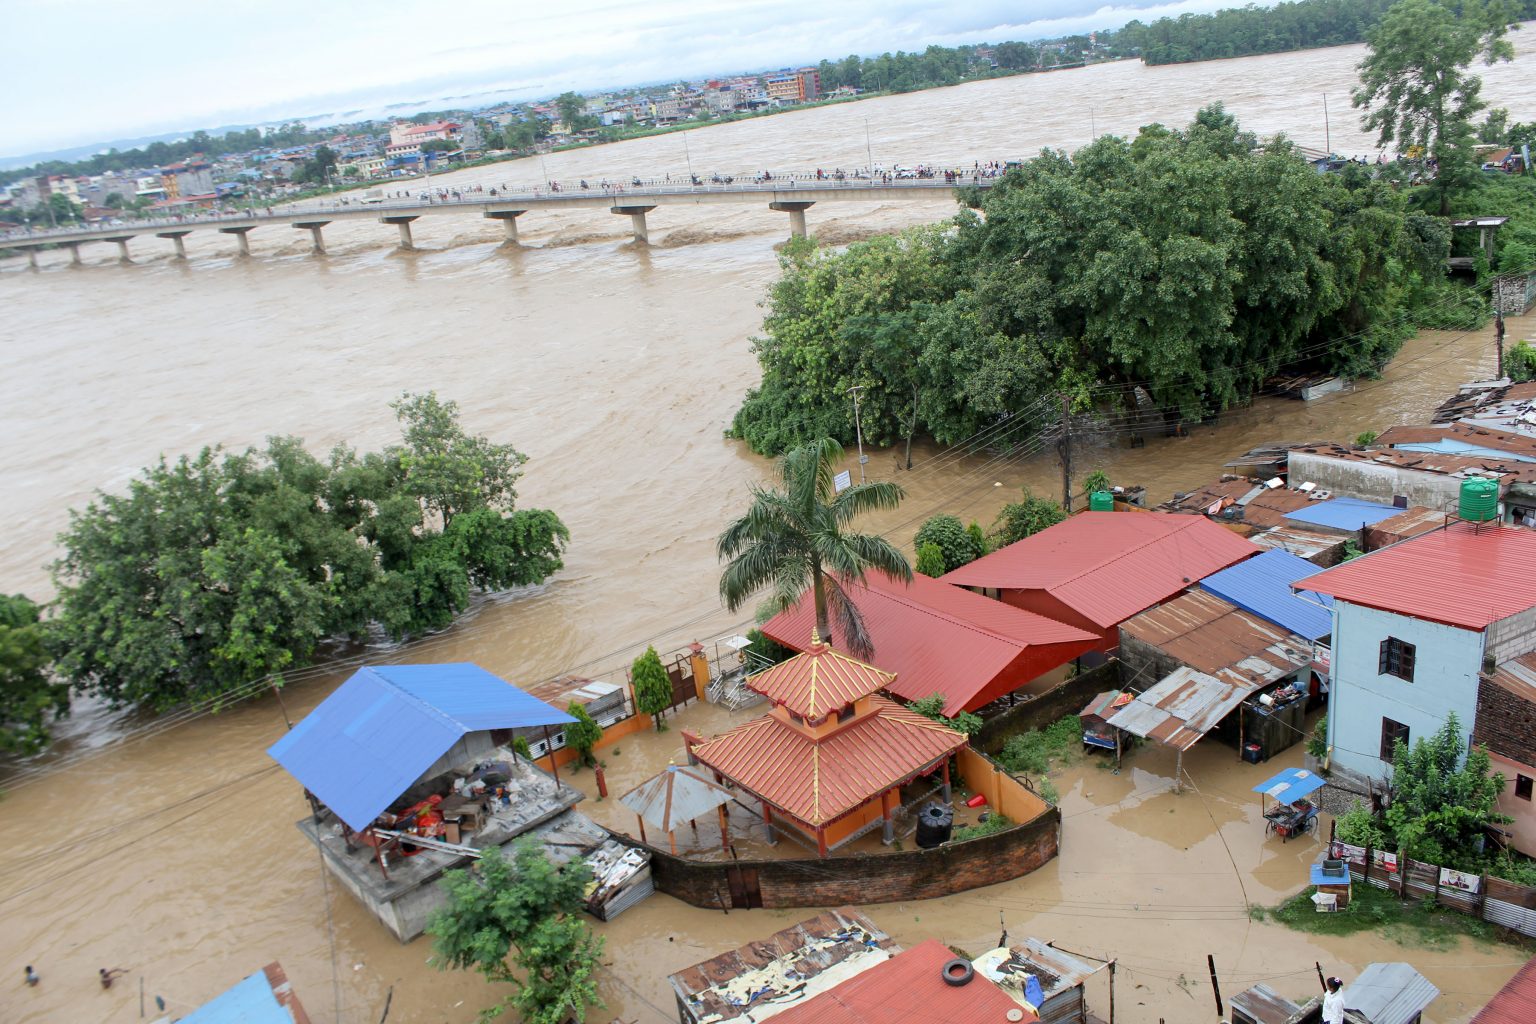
1101, 501
1479, 500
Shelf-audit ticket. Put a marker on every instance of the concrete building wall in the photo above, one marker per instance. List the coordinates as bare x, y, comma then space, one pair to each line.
1447, 661
1512, 637
1374, 481
1523, 829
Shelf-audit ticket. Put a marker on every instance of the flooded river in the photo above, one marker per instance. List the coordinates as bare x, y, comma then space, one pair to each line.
172, 851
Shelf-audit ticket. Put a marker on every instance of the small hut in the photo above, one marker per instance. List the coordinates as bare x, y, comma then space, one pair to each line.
676, 796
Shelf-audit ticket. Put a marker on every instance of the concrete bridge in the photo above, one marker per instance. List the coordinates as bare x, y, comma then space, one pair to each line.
792, 196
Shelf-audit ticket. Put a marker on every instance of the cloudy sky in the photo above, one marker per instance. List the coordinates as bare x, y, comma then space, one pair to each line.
78, 72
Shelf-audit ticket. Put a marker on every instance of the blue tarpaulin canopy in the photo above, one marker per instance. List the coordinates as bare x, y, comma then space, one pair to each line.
1262, 586
383, 728
1291, 785
1343, 513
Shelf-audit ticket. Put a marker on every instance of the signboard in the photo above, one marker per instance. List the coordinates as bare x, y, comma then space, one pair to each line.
843, 481
1462, 880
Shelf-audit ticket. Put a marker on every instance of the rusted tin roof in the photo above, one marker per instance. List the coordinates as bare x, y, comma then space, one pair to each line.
1264, 1005
674, 797
939, 638
1182, 707
819, 781
1411, 522
819, 681
1465, 576
1202, 631
1301, 542
1108, 566
1240, 500
1507, 469
746, 982
910, 988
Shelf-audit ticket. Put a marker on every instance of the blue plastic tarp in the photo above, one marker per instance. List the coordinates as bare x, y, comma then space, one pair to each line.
1291, 785
1262, 586
252, 1001
1343, 513
375, 736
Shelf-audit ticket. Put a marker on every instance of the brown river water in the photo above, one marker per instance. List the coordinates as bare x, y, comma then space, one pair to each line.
171, 851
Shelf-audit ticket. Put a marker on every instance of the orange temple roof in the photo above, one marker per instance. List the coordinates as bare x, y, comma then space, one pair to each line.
820, 681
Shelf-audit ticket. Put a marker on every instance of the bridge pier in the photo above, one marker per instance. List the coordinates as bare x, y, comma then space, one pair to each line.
74, 253
122, 247
636, 220
509, 218
404, 224
796, 211
178, 238
313, 227
240, 233
32, 258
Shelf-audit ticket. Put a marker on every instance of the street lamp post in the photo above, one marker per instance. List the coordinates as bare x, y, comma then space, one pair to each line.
869, 152
858, 428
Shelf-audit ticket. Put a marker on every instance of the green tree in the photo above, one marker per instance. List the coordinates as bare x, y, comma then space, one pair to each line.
1443, 797
930, 560
653, 689
570, 105
29, 697
519, 924
1415, 87
1020, 519
582, 735
932, 707
797, 538
1520, 363
956, 545
1096, 481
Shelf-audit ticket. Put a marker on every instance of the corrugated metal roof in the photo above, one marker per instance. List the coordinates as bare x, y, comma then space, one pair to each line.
265, 997
1300, 541
1518, 676
909, 988
1391, 993
373, 737
1202, 631
806, 958
1463, 576
1262, 586
1181, 708
819, 681
1108, 566
939, 638
819, 781
675, 797
1515, 1003
1411, 522
1343, 513
1264, 1005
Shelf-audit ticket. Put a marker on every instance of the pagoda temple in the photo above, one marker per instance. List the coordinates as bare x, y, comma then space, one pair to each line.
831, 756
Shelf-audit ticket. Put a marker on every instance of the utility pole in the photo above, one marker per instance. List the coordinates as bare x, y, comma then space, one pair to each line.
1327, 131
689, 157
869, 152
1066, 452
858, 428
1498, 333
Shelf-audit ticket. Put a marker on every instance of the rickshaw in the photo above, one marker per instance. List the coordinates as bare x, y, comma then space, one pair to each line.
1293, 814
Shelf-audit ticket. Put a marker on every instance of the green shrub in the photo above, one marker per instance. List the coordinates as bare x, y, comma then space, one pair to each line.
1317, 743
955, 543
1031, 753
930, 561
1359, 827
995, 823
933, 707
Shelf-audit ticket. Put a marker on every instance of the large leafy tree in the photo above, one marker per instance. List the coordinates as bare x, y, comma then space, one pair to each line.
219, 569
956, 545
798, 537
653, 689
518, 923
29, 697
1444, 797
1415, 87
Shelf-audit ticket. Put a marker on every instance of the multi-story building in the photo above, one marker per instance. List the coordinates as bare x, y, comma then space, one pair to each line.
800, 86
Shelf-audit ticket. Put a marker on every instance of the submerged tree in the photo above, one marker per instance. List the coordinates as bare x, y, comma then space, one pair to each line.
1415, 87
797, 538
582, 735
29, 697
519, 923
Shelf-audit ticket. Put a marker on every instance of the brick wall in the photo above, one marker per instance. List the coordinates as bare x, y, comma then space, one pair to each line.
1506, 723
865, 878
1066, 699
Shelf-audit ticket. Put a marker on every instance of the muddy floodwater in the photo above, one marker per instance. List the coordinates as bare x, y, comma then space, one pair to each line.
168, 847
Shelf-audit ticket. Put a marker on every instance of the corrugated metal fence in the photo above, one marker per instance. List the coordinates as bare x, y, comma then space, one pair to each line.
1492, 899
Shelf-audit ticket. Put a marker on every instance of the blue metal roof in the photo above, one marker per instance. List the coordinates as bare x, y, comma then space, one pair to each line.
252, 1001
1343, 513
1291, 785
1455, 446
1262, 586
375, 736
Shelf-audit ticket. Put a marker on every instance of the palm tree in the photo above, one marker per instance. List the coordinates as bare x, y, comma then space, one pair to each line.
795, 536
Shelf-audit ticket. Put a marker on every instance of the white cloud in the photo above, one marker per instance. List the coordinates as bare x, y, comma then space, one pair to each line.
92, 70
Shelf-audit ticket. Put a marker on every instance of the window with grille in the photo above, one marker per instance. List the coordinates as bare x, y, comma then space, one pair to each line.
1523, 787
1391, 732
1396, 659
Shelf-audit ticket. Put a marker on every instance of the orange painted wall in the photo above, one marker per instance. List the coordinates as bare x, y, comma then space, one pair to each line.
612, 734
1005, 794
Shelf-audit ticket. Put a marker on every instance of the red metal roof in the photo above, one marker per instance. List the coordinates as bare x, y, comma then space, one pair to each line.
818, 682
820, 781
909, 988
939, 638
1464, 576
1108, 566
1515, 1003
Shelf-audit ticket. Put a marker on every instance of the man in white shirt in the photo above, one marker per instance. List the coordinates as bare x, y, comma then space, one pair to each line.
1333, 1002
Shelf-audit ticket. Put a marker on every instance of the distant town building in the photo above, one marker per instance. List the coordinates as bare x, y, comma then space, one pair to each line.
800, 86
